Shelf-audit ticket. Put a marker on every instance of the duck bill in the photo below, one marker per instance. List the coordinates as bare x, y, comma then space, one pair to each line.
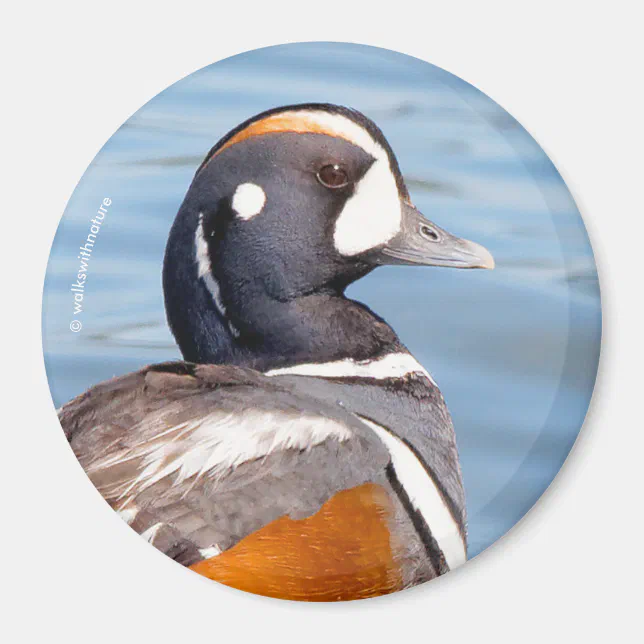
421, 242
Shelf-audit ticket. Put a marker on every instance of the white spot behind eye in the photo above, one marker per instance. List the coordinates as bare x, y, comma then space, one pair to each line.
248, 200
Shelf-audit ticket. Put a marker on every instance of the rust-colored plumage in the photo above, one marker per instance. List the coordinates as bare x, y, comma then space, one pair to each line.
342, 552
297, 122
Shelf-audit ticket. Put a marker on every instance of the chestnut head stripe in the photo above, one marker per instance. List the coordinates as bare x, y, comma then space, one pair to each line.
309, 122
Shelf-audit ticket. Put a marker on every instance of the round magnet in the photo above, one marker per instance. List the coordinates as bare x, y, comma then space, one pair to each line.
261, 348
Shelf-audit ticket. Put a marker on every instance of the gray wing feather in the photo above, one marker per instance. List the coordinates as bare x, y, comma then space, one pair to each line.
198, 457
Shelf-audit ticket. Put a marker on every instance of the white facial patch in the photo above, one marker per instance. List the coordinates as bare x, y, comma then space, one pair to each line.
424, 496
372, 216
248, 201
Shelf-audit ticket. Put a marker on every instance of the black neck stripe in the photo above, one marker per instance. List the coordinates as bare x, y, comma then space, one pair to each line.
432, 548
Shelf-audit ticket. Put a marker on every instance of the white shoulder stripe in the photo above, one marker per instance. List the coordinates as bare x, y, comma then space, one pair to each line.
424, 495
392, 365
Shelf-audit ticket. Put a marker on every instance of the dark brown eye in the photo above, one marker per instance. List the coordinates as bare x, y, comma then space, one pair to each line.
333, 176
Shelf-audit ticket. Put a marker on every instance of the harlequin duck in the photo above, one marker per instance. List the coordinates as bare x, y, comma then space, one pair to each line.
300, 451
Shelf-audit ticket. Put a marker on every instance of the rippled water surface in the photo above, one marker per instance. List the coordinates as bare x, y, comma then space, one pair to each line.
514, 350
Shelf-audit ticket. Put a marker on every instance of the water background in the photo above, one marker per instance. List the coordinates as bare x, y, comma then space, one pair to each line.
514, 351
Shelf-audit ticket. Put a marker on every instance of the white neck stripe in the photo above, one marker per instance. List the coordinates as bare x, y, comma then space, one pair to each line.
392, 365
424, 496
204, 271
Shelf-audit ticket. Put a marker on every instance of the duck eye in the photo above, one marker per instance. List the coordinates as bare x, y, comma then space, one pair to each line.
333, 176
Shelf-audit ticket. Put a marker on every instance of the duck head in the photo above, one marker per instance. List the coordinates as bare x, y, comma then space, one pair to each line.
283, 214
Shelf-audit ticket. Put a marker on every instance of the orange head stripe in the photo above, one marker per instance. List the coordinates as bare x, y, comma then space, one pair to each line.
298, 123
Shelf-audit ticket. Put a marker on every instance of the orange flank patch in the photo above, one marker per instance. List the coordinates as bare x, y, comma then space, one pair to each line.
298, 122
342, 552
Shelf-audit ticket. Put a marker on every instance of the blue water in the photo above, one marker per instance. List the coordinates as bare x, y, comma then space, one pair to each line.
514, 351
